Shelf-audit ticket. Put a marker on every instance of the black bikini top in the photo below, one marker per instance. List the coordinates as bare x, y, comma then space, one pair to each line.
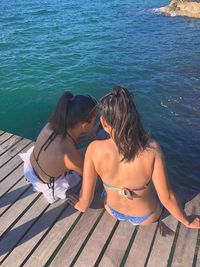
45, 146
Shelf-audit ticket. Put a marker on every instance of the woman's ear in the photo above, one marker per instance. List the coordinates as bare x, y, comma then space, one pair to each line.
103, 122
85, 126
105, 125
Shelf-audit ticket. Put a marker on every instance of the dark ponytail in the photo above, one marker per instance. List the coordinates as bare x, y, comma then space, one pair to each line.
71, 110
121, 114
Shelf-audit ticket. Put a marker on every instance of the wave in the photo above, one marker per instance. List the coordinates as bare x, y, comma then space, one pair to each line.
140, 11
160, 10
157, 10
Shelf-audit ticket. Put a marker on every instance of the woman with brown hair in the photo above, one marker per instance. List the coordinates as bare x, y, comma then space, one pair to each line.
55, 164
129, 163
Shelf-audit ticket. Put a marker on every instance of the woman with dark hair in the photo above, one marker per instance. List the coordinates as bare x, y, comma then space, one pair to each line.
129, 162
55, 164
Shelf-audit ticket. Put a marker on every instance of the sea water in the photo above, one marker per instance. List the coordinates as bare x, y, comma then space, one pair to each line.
49, 46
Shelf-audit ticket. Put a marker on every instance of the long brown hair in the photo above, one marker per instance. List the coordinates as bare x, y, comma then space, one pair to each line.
71, 110
121, 114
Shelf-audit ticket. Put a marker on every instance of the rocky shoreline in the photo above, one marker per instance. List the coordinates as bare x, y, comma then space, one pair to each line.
184, 8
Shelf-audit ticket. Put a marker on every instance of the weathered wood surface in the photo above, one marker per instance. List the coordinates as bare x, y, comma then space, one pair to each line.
4, 137
12, 164
114, 253
13, 151
186, 242
141, 246
34, 233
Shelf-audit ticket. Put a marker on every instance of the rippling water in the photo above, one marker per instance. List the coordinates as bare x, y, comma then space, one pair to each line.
89, 46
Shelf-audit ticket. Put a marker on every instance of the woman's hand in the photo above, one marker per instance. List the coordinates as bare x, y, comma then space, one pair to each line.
75, 202
195, 223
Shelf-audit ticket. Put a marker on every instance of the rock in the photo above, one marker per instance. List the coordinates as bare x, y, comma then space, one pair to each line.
185, 8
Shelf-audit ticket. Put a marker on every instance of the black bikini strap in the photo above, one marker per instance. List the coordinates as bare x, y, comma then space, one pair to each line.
72, 138
52, 137
46, 144
51, 185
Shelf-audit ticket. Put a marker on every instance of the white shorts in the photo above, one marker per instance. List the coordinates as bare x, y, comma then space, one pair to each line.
61, 184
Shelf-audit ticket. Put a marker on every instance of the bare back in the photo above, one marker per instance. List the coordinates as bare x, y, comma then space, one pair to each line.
52, 160
132, 175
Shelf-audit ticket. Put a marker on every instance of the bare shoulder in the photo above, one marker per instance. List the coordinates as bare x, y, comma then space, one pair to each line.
95, 145
43, 135
154, 146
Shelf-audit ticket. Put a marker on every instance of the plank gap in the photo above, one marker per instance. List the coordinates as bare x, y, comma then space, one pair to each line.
12, 186
9, 147
106, 244
15, 200
15, 154
48, 230
151, 246
24, 234
22, 214
194, 264
171, 254
63, 241
123, 262
7, 138
11, 172
45, 234
87, 238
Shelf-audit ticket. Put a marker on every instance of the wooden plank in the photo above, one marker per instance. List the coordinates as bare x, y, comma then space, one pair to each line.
1, 132
96, 242
16, 209
15, 192
48, 245
36, 233
9, 144
10, 240
5, 136
13, 163
13, 151
163, 243
198, 258
75, 240
141, 246
187, 238
117, 247
11, 180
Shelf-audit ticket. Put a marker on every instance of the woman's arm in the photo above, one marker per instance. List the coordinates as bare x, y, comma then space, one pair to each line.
74, 161
89, 182
165, 193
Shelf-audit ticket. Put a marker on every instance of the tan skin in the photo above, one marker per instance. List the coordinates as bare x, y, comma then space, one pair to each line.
62, 154
102, 158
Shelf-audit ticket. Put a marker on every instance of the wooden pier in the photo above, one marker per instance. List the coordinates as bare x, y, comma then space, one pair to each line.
35, 233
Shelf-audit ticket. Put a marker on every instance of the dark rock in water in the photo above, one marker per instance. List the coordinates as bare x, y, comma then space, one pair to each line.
185, 8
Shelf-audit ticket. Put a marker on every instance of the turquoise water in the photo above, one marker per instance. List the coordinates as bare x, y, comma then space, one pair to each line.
84, 46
